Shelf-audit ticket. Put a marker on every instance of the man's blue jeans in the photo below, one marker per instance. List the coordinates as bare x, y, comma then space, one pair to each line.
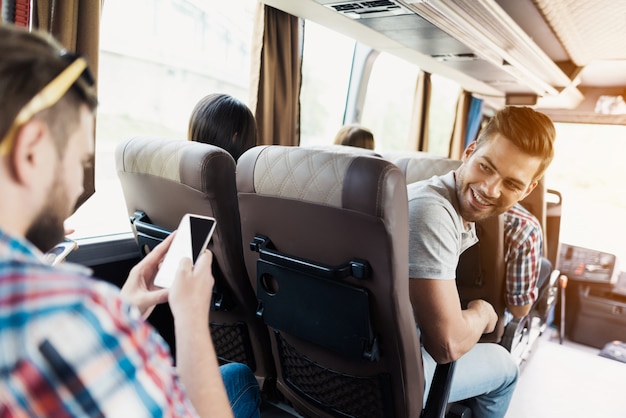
485, 376
242, 389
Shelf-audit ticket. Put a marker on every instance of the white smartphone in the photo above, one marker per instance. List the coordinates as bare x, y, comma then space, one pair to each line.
192, 237
60, 251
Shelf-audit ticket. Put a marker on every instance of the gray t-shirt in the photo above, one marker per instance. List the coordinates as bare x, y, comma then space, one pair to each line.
437, 235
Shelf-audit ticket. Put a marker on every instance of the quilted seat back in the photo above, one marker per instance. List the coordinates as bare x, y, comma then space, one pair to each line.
327, 254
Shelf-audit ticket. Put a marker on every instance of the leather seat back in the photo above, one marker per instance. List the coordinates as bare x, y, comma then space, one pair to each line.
162, 179
328, 258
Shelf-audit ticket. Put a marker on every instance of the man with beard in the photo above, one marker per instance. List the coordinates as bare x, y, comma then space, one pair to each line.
71, 345
499, 169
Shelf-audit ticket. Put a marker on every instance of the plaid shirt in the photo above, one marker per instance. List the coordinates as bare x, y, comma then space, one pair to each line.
523, 243
69, 346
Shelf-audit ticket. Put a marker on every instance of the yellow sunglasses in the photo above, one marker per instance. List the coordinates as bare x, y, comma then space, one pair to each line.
47, 97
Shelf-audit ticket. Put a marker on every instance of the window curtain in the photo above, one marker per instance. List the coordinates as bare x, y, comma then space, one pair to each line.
469, 111
276, 77
459, 131
418, 133
76, 24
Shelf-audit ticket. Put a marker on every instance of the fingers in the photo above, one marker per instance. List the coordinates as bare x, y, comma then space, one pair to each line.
185, 266
145, 270
194, 280
150, 299
155, 297
190, 294
202, 269
204, 261
159, 251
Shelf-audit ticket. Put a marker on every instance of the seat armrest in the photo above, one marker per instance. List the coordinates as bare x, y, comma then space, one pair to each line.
439, 391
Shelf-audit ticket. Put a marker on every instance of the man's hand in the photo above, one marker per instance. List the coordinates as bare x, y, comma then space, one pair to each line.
485, 310
139, 288
447, 330
190, 294
196, 361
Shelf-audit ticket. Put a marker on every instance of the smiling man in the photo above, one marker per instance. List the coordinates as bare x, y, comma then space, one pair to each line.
499, 169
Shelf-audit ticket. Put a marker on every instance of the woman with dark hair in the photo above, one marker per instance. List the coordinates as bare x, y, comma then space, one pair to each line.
224, 121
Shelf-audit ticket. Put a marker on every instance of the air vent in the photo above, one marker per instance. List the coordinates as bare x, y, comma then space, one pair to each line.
369, 9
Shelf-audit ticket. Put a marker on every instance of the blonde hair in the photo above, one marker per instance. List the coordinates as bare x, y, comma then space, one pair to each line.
355, 136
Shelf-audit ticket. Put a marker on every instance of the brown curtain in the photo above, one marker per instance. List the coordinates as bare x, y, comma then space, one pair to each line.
277, 77
76, 24
418, 133
457, 142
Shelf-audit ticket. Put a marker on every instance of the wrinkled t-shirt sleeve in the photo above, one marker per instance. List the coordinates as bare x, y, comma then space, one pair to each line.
434, 242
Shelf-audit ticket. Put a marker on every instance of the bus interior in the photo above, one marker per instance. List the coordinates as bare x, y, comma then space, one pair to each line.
422, 75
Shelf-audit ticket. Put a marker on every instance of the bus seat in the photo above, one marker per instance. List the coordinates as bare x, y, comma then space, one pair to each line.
344, 149
396, 155
554, 206
328, 257
423, 167
480, 272
535, 203
546, 205
162, 179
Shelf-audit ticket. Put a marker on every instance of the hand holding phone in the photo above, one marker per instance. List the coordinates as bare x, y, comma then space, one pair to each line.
60, 251
192, 238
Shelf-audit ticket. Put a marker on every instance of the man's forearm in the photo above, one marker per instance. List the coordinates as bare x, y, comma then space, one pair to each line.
199, 372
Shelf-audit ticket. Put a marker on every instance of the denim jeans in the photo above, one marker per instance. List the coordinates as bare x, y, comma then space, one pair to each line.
485, 376
242, 389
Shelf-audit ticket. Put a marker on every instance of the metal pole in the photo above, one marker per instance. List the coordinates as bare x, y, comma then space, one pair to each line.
562, 285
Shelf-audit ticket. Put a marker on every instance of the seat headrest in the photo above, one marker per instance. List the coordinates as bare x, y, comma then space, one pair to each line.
345, 148
181, 161
535, 202
424, 167
396, 155
339, 179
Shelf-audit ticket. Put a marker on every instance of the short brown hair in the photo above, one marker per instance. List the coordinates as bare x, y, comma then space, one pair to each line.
531, 131
30, 60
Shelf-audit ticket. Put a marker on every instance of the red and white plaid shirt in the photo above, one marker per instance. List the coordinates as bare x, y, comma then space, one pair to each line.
523, 243
70, 346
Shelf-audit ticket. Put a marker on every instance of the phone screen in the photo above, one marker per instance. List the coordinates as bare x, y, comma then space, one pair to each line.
201, 231
192, 237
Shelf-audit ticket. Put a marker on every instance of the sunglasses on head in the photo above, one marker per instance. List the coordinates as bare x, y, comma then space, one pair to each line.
49, 95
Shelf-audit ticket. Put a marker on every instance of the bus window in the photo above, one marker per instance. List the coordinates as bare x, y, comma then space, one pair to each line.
588, 172
389, 102
444, 97
157, 59
326, 63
